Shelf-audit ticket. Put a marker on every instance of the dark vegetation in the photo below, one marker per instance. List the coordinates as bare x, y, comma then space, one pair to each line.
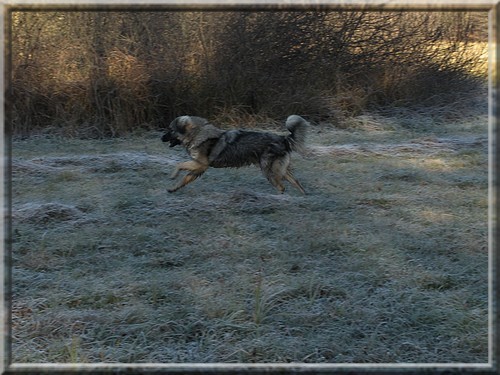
100, 74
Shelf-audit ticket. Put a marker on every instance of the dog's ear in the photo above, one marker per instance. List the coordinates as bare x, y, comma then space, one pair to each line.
182, 124
174, 124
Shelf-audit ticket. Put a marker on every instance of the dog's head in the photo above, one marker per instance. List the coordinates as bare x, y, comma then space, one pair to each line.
169, 136
176, 131
180, 129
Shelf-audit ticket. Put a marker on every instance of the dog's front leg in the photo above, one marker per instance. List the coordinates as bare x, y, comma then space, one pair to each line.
176, 172
199, 163
195, 168
191, 165
190, 177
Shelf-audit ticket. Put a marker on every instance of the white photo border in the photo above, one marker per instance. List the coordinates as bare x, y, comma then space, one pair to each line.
492, 7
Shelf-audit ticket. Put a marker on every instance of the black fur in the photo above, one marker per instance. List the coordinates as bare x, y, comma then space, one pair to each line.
170, 137
232, 148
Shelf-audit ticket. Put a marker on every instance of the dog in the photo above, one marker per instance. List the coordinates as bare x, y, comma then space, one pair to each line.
210, 146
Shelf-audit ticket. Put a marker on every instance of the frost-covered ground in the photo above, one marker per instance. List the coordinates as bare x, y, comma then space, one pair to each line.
384, 260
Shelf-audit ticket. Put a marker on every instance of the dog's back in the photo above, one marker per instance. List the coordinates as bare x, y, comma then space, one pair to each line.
238, 148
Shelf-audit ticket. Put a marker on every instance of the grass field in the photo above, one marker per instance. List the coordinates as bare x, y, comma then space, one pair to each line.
384, 260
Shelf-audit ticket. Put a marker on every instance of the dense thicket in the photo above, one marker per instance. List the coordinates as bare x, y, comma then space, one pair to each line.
106, 73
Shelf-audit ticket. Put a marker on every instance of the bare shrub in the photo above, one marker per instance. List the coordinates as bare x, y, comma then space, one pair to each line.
99, 74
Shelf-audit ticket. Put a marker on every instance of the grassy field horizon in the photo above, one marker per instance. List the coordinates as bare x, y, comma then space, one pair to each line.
384, 260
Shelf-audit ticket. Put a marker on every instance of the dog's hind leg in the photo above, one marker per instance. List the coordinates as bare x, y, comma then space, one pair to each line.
289, 177
286, 173
276, 183
272, 170
278, 171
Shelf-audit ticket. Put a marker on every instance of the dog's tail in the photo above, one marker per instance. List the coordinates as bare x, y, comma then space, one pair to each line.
298, 127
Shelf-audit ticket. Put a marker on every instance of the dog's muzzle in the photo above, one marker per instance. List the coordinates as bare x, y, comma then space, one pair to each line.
169, 137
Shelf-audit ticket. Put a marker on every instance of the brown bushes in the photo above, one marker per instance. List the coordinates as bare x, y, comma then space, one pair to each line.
107, 73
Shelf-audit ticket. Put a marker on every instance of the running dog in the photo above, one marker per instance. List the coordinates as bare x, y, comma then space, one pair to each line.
210, 146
